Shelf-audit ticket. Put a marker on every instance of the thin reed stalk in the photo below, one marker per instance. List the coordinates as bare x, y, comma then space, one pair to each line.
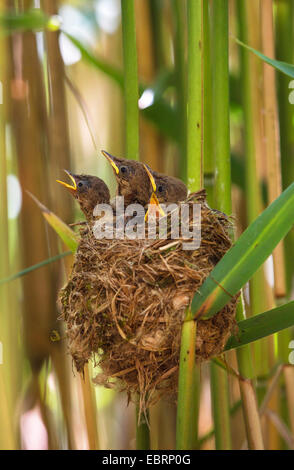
284, 37
188, 390
131, 87
195, 96
90, 409
250, 82
248, 394
131, 93
207, 106
178, 11
7, 437
284, 31
272, 136
222, 191
150, 141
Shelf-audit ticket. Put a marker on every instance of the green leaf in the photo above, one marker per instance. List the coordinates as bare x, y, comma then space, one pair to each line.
249, 252
34, 267
67, 235
262, 325
284, 67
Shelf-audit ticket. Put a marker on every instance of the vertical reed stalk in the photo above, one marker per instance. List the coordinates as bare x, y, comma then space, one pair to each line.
90, 410
187, 413
7, 438
195, 97
131, 89
289, 385
207, 106
273, 160
178, 8
132, 127
150, 141
248, 394
221, 120
250, 78
284, 36
284, 31
272, 136
222, 190
57, 119
186, 389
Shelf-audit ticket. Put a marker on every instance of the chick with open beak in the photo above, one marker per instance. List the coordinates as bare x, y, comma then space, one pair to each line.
88, 191
132, 181
167, 188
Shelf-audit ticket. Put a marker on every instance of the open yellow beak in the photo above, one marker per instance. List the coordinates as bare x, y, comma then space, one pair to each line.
153, 200
72, 187
111, 161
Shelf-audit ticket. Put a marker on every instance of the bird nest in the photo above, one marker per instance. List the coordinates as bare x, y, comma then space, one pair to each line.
125, 302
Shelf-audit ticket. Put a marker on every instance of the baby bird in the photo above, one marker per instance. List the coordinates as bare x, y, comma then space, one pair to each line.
132, 180
88, 191
167, 188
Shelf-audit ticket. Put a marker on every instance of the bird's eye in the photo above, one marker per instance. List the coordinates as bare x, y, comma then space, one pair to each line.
80, 184
160, 189
123, 169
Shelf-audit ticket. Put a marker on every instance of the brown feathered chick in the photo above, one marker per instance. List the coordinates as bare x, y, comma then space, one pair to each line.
89, 191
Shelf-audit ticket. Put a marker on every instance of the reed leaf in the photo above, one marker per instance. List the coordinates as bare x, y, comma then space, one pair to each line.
262, 325
25, 271
284, 67
67, 235
250, 251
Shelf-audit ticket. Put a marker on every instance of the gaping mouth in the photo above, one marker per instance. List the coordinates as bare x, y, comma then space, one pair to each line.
72, 187
110, 158
153, 200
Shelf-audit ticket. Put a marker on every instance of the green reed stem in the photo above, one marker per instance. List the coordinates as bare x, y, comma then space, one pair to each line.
220, 407
247, 389
178, 8
244, 356
207, 107
188, 390
131, 87
195, 97
284, 36
221, 121
185, 435
250, 75
131, 92
222, 191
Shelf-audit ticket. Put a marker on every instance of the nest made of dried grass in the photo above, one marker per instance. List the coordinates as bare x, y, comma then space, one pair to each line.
125, 302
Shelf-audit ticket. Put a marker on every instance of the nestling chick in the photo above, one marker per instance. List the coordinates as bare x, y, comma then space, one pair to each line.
132, 180
88, 191
167, 188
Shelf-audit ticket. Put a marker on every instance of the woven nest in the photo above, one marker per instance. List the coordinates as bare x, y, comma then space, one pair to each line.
125, 302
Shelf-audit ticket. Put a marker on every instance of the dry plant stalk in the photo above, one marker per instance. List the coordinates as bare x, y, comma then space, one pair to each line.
125, 302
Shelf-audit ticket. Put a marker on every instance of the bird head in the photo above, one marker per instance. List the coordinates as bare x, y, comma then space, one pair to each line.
132, 180
167, 189
88, 190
